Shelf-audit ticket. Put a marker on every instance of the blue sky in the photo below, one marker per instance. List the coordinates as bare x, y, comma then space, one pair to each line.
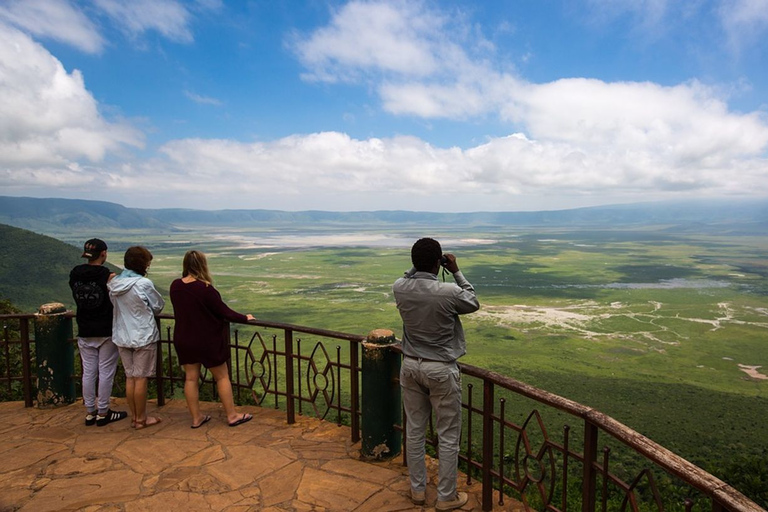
499, 105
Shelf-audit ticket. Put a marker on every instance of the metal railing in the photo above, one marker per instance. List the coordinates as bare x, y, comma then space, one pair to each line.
543, 470
16, 368
288, 366
281, 372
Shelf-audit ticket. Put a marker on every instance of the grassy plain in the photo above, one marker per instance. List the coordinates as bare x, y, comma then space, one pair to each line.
655, 328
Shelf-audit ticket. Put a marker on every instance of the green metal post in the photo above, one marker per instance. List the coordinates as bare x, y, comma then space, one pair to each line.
55, 356
381, 407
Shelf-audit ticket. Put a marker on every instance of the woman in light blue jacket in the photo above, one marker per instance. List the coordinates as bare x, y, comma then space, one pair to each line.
134, 330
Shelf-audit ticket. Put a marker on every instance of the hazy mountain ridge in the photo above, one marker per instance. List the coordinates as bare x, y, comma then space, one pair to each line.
689, 212
54, 214
50, 215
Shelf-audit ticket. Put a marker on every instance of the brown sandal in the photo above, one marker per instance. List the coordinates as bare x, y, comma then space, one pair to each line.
148, 422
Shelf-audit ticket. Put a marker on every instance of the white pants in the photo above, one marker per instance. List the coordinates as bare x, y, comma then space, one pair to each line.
99, 358
428, 386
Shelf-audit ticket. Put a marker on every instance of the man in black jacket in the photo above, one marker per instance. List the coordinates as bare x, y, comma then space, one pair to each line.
94, 338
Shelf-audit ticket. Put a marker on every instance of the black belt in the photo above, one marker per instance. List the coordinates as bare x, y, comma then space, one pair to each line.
428, 360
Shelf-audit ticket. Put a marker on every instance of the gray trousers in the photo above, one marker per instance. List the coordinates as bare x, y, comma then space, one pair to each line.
428, 386
99, 358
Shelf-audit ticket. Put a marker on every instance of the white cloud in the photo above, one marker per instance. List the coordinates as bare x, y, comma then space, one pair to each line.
66, 22
47, 116
54, 19
579, 110
168, 17
203, 100
330, 170
476, 91
329, 164
744, 21
398, 37
688, 118
579, 134
649, 15
327, 161
411, 54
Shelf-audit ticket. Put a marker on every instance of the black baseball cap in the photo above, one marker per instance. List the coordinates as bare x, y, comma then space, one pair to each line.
93, 247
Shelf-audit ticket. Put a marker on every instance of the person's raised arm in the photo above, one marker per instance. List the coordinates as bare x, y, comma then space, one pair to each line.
466, 299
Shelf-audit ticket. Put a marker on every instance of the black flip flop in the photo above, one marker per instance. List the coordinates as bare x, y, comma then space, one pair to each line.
206, 419
246, 417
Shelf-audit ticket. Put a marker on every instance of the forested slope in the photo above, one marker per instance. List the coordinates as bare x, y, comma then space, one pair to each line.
34, 269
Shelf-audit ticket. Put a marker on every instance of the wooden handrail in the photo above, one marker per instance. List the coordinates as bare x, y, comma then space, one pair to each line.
291, 327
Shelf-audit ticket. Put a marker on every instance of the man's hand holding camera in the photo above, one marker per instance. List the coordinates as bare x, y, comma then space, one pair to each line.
448, 261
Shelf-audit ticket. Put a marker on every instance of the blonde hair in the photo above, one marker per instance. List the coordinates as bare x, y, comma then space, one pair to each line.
195, 264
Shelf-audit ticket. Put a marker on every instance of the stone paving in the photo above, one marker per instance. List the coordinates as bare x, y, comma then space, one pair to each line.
50, 461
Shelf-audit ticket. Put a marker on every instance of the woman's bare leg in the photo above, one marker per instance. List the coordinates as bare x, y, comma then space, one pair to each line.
224, 387
130, 397
192, 392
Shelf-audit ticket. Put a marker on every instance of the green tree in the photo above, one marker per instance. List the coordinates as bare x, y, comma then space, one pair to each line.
749, 474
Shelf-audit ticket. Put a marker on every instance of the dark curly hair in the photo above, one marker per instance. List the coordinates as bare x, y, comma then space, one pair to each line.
425, 253
137, 258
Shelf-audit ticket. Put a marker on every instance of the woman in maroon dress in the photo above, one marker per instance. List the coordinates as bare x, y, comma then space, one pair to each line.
200, 337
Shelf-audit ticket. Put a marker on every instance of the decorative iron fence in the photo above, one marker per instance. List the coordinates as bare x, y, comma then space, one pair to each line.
540, 469
16, 364
288, 366
273, 367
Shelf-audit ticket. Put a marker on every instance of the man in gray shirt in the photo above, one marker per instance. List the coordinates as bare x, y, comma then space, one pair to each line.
433, 339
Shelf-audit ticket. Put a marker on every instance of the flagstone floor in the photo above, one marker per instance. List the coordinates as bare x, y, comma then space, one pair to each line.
50, 461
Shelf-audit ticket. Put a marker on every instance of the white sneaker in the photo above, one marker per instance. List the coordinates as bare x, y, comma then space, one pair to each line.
418, 498
458, 502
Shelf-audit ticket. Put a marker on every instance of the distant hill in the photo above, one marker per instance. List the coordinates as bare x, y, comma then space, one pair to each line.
65, 215
34, 269
55, 215
752, 214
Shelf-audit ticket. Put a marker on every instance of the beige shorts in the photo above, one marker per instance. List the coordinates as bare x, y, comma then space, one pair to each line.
139, 362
